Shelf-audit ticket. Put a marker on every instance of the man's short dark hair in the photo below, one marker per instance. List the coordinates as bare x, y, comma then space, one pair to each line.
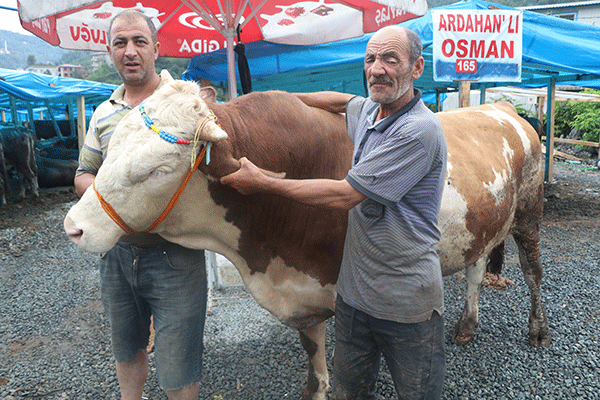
132, 15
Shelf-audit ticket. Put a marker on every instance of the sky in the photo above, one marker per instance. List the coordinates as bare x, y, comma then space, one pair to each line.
10, 19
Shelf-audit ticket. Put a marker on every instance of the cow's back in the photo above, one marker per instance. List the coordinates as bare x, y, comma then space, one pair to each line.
278, 132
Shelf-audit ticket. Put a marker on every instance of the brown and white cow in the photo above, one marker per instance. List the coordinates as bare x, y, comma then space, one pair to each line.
288, 254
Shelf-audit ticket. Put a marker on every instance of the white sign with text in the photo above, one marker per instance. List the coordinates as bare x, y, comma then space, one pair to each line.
477, 45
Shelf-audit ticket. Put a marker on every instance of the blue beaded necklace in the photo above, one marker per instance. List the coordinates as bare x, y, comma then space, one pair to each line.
166, 136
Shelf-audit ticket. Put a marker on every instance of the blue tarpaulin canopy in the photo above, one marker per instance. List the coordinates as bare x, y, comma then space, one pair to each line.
28, 90
555, 48
34, 87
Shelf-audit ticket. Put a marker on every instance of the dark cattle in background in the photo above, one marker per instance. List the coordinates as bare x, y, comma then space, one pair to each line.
536, 123
59, 153
44, 129
67, 143
55, 172
19, 151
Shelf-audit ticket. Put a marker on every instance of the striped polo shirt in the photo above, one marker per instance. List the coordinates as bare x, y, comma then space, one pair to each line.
390, 268
102, 126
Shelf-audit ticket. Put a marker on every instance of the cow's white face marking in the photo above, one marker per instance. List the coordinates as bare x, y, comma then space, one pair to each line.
142, 171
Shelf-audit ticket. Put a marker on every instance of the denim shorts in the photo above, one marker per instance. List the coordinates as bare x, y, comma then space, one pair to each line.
414, 354
169, 283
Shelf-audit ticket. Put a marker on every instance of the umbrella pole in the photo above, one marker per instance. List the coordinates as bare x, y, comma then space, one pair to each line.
231, 65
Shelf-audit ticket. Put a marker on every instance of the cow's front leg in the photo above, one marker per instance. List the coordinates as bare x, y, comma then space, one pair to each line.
313, 341
464, 331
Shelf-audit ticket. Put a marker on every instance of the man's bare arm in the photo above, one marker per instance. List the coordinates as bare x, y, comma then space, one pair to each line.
319, 192
327, 100
82, 182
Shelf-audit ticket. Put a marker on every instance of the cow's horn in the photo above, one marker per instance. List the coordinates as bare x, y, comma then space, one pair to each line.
212, 132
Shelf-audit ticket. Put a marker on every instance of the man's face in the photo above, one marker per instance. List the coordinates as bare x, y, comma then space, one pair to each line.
132, 50
387, 68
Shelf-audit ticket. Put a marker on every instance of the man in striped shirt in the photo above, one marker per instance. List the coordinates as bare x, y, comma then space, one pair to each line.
390, 290
143, 274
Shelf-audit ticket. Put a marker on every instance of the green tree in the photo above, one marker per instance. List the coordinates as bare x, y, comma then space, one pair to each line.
105, 74
563, 115
31, 60
582, 115
176, 66
520, 107
78, 73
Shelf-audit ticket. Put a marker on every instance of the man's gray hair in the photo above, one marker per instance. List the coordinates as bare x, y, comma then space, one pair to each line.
416, 47
131, 15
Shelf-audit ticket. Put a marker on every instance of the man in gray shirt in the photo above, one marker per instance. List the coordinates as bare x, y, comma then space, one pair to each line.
390, 291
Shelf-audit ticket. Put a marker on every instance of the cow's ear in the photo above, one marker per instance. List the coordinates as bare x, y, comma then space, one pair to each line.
208, 94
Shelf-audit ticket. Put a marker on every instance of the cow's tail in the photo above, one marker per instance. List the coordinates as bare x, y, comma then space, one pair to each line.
496, 259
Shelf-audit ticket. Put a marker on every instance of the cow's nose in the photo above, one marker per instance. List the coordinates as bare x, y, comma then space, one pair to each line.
73, 233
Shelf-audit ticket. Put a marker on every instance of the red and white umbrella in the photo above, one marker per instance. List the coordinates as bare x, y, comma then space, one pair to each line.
190, 27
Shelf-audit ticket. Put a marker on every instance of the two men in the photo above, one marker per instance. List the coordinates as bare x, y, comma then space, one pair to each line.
390, 295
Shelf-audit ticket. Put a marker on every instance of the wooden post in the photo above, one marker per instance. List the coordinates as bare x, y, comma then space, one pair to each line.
464, 94
598, 161
54, 123
71, 115
30, 114
550, 130
3, 115
13, 110
81, 125
540, 106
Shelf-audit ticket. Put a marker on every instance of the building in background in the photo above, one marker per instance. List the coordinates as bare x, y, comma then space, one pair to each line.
100, 58
46, 69
71, 71
586, 12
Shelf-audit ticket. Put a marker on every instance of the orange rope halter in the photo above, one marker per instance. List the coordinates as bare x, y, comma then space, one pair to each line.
123, 225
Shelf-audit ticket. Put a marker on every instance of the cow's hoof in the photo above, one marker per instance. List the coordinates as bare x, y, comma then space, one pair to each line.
312, 396
462, 338
313, 393
540, 338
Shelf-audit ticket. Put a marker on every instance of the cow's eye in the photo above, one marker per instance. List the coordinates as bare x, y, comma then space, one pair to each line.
157, 173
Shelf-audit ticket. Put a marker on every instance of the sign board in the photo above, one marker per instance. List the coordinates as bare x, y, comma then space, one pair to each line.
477, 45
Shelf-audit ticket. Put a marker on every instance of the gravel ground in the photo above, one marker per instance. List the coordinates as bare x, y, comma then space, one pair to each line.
54, 338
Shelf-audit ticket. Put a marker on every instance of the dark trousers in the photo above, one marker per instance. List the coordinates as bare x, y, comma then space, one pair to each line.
414, 354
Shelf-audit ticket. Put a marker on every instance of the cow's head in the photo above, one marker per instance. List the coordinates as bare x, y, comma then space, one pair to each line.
143, 170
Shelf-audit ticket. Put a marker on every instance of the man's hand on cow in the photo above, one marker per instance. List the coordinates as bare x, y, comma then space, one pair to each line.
248, 179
